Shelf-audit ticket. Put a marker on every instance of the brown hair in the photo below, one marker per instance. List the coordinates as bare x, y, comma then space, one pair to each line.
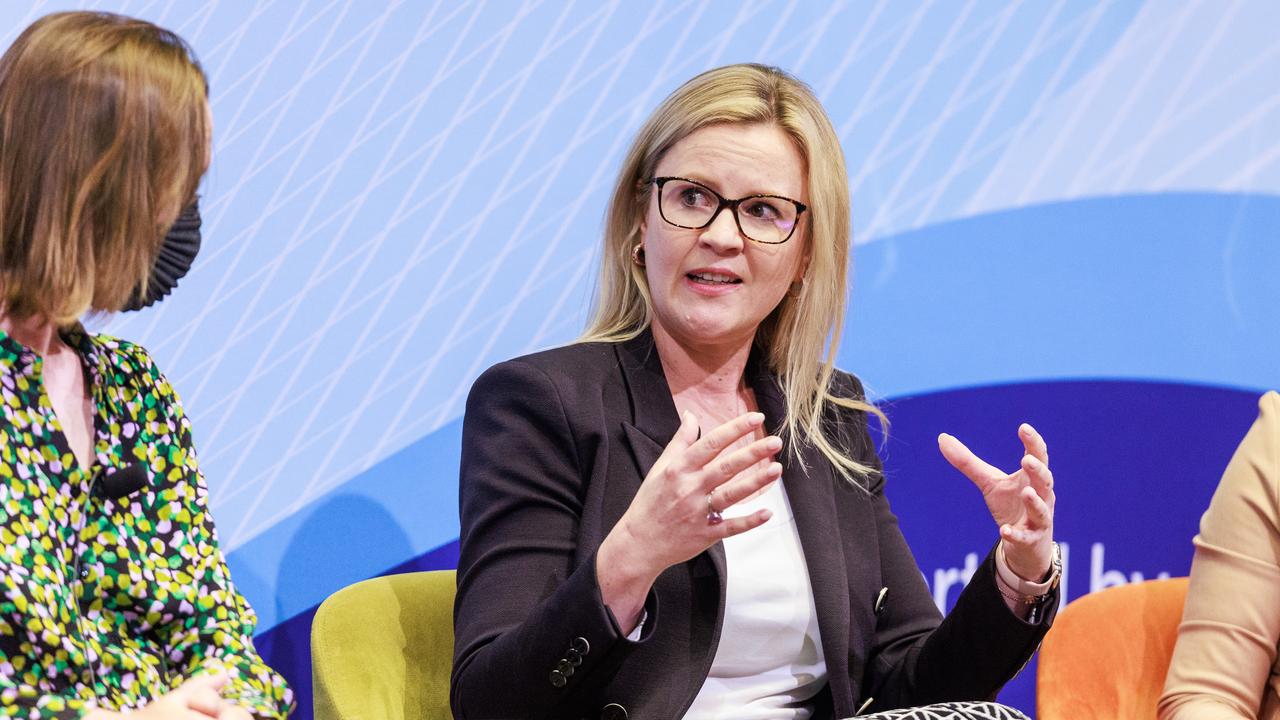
103, 139
800, 337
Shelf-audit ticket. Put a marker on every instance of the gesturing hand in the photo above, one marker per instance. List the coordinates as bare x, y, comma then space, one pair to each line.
668, 520
1021, 502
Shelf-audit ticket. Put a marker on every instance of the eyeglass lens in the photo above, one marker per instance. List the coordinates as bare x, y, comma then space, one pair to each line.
689, 205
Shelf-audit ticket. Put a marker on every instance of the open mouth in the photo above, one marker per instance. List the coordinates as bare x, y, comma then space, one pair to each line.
704, 277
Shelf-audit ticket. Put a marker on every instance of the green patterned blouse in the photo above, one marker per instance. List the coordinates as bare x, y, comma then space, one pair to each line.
154, 603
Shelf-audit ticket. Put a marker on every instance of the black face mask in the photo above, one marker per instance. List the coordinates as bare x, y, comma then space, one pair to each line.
178, 251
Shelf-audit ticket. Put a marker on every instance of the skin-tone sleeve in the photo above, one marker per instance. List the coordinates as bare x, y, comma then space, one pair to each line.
1226, 646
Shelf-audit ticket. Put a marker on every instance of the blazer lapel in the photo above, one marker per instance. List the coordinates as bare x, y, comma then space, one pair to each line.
654, 424
811, 492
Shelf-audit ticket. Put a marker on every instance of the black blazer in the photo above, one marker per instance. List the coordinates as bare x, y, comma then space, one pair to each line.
555, 446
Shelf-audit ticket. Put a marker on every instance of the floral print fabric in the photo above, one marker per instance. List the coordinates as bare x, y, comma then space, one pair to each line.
153, 603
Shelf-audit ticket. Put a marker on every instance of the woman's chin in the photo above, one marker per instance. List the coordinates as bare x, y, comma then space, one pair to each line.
712, 330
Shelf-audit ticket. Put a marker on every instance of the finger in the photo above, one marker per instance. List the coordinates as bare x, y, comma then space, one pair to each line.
728, 465
205, 700
1039, 514
1033, 443
1040, 476
713, 443
739, 525
235, 712
744, 486
685, 436
1020, 535
216, 681
963, 459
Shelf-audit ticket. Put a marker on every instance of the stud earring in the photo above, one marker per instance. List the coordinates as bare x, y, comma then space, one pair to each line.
637, 254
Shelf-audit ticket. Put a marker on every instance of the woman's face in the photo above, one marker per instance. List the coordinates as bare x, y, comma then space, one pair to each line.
713, 287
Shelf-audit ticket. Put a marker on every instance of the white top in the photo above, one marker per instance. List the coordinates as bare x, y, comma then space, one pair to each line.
769, 663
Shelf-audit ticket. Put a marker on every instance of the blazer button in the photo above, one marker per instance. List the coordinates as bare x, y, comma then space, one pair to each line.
558, 679
613, 711
581, 645
573, 657
564, 668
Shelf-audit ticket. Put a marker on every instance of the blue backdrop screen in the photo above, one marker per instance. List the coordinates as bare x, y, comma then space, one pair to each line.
1065, 213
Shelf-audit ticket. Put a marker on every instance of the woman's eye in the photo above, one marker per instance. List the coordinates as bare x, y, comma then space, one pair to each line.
694, 197
763, 210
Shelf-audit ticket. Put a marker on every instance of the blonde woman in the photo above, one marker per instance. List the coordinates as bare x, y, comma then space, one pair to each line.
114, 596
682, 515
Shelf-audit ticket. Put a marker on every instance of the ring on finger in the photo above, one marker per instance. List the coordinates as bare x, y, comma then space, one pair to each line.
713, 515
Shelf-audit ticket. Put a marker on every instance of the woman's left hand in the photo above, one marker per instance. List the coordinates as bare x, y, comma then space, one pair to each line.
1021, 503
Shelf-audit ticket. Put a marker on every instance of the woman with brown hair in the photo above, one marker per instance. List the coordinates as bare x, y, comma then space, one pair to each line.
113, 592
683, 515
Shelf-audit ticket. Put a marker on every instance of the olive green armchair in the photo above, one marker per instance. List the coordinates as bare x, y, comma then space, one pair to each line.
382, 649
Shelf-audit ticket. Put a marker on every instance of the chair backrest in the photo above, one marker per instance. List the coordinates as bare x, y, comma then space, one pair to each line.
382, 649
1108, 652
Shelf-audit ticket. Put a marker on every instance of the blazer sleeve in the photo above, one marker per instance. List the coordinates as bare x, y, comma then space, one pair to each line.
919, 657
531, 629
1226, 648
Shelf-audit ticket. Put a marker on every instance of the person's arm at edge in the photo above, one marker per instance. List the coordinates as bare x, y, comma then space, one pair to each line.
1226, 645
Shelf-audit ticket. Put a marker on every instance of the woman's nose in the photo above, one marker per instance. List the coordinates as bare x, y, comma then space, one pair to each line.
722, 235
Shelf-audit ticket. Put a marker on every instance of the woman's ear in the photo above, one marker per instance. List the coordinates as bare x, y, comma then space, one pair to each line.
802, 268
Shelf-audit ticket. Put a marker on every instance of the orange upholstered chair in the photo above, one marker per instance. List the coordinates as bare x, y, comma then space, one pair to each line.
1107, 653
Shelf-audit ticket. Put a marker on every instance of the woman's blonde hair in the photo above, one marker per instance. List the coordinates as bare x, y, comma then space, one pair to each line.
800, 337
103, 139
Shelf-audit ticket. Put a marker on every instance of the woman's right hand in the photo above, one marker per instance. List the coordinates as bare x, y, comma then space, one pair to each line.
668, 520
198, 698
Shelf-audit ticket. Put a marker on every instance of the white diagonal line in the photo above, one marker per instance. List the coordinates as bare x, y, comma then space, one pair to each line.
1219, 87
273, 108
370, 347
1174, 99
905, 105
233, 41
1037, 109
1102, 144
285, 180
823, 26
312, 434
539, 270
767, 45
260, 164
1029, 53
881, 74
252, 278
232, 89
501, 191
297, 300
324, 437
1209, 147
887, 205
834, 77
395, 283
1259, 162
1083, 105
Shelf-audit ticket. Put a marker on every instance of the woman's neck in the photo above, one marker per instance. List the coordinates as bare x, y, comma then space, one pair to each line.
707, 379
34, 332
